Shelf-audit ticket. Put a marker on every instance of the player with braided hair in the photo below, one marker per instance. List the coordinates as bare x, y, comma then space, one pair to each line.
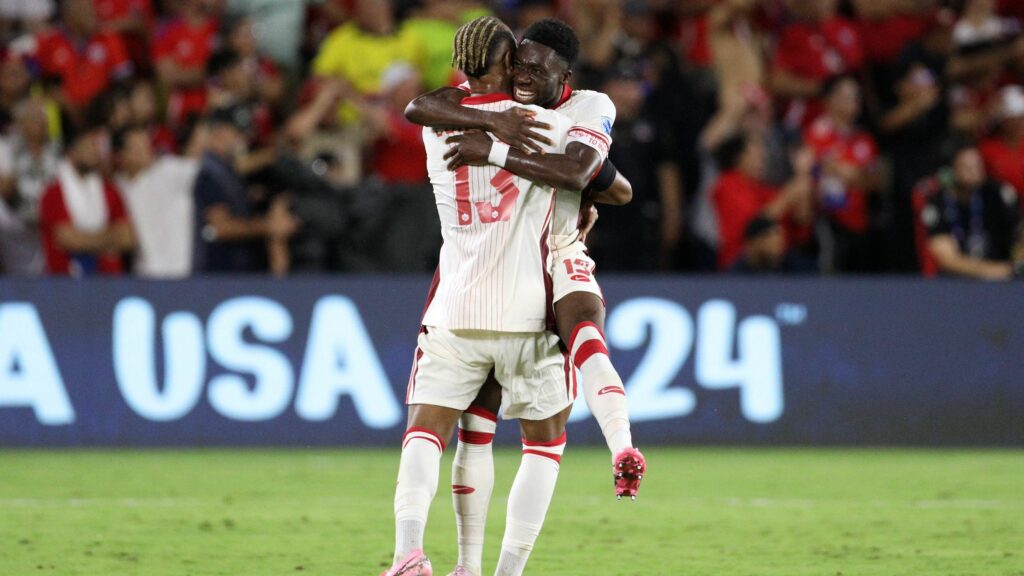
543, 65
486, 314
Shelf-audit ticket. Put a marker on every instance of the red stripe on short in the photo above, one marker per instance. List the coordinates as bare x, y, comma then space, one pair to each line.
433, 437
482, 412
554, 457
588, 349
470, 437
556, 442
411, 387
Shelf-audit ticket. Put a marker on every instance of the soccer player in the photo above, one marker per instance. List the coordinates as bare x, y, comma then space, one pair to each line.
486, 312
543, 65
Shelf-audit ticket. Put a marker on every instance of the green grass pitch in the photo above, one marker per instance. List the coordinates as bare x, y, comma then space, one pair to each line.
702, 511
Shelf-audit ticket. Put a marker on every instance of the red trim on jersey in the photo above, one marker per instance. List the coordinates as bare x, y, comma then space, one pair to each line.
566, 94
482, 412
470, 437
550, 443
549, 283
432, 291
411, 386
486, 98
581, 326
600, 135
588, 349
434, 438
554, 457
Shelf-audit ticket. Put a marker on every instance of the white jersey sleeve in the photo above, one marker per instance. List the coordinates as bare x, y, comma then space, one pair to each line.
492, 273
593, 116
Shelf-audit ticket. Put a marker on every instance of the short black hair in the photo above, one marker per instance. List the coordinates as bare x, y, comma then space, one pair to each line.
727, 154
223, 60
119, 138
556, 35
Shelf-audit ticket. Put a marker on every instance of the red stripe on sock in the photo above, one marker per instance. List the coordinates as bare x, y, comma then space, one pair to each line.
471, 437
556, 442
459, 489
554, 457
588, 349
581, 326
482, 412
433, 437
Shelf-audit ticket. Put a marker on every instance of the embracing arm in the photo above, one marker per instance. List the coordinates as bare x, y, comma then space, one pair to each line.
570, 171
441, 109
618, 193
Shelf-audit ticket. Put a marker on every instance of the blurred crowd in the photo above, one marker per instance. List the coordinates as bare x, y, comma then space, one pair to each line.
165, 138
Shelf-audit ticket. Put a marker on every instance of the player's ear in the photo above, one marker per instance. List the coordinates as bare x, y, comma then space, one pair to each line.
566, 75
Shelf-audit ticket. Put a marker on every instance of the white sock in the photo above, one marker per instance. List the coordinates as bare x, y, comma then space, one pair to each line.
602, 386
472, 483
528, 503
417, 484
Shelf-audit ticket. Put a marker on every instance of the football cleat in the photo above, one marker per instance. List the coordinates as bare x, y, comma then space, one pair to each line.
461, 571
628, 470
415, 563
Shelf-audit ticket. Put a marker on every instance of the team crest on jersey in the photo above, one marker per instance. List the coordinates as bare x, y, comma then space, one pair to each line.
606, 123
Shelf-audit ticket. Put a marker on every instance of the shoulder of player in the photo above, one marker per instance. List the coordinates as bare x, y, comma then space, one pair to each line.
589, 99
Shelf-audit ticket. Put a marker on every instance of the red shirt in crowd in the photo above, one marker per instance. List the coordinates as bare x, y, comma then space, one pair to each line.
817, 51
400, 157
85, 69
848, 206
889, 36
738, 199
189, 47
136, 43
53, 212
1004, 162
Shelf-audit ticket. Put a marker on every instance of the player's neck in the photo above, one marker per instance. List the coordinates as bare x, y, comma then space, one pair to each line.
487, 84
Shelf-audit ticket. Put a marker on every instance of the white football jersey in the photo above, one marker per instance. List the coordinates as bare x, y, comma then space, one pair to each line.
593, 115
495, 225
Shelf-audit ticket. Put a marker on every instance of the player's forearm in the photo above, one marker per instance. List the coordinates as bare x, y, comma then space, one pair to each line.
619, 194
71, 239
561, 171
441, 109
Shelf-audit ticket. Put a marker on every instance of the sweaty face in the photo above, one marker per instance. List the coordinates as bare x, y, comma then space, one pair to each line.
539, 75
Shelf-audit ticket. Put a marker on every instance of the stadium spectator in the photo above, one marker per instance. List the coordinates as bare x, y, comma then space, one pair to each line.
29, 15
133, 20
817, 45
1004, 151
646, 233
181, 49
262, 71
845, 158
740, 195
28, 162
280, 25
970, 220
15, 83
396, 147
145, 111
915, 129
84, 227
764, 250
85, 59
229, 236
434, 22
357, 54
158, 192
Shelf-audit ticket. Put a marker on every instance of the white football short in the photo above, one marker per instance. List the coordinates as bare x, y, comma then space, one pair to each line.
572, 270
451, 366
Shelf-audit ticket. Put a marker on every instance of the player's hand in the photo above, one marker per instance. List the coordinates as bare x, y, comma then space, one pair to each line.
588, 217
518, 128
468, 149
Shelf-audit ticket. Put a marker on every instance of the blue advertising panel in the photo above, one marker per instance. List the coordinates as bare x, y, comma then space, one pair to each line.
325, 361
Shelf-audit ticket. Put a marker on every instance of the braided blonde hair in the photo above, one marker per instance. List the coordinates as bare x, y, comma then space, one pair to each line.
474, 42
